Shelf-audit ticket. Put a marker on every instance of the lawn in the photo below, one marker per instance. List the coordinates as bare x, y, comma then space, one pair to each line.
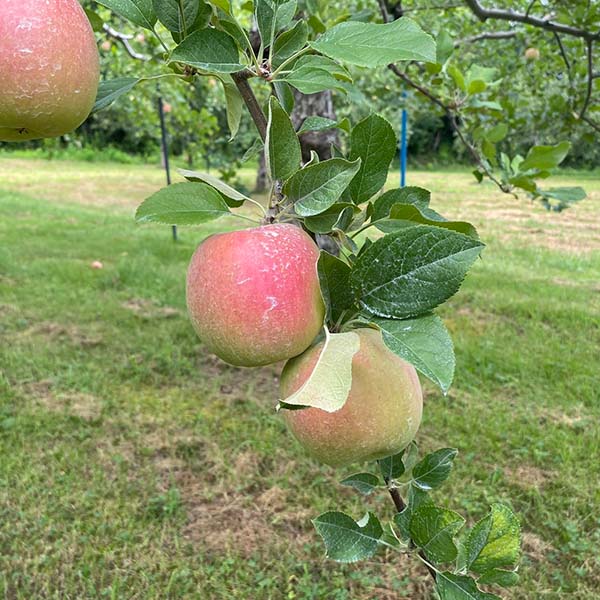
135, 465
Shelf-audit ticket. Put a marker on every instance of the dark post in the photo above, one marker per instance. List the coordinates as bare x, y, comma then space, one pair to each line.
165, 150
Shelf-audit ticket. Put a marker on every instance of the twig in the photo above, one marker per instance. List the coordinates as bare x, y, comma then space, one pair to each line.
531, 4
591, 123
256, 112
490, 35
394, 68
124, 39
590, 79
543, 23
562, 51
400, 506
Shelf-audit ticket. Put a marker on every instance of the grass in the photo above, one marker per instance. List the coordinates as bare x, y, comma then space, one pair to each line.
135, 465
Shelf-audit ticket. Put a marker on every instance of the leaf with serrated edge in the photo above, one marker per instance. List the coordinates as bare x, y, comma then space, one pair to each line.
433, 528
460, 587
109, 91
420, 197
392, 467
182, 204
283, 153
347, 540
545, 157
139, 12
434, 469
176, 15
365, 483
374, 45
329, 384
209, 50
317, 187
411, 271
215, 182
499, 577
494, 541
373, 141
425, 343
333, 279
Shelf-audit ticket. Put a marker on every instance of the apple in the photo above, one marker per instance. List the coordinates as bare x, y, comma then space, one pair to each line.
105, 46
532, 54
380, 417
167, 108
49, 68
253, 295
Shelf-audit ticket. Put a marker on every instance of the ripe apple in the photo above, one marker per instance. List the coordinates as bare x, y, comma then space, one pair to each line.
532, 54
49, 68
106, 46
382, 413
253, 295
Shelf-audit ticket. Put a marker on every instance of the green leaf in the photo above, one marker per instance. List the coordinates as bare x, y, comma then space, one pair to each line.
176, 15
494, 541
347, 540
209, 50
317, 187
460, 587
420, 197
499, 577
425, 343
365, 483
283, 156
327, 64
272, 15
182, 204
109, 91
285, 95
444, 47
564, 194
373, 141
433, 528
139, 12
290, 42
333, 277
329, 384
317, 124
311, 80
337, 216
373, 45
406, 215
415, 499
524, 182
392, 467
545, 157
457, 77
411, 271
234, 103
95, 20
434, 469
226, 190
497, 133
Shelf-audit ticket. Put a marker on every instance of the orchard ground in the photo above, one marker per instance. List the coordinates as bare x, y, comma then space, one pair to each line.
135, 465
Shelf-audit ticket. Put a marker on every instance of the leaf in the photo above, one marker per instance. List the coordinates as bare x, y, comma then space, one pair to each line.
311, 80
406, 215
365, 483
415, 499
337, 216
345, 539
109, 91
226, 190
373, 141
444, 47
139, 12
392, 467
317, 187
209, 50
329, 384
272, 15
283, 156
425, 343
317, 124
411, 271
420, 197
234, 103
545, 157
327, 64
564, 194
494, 541
433, 469
497, 133
182, 204
460, 587
95, 19
285, 95
499, 577
373, 45
176, 15
433, 528
290, 42
333, 278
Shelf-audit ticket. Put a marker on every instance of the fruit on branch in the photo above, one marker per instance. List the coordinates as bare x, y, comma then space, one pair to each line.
381, 415
49, 68
532, 54
105, 46
253, 295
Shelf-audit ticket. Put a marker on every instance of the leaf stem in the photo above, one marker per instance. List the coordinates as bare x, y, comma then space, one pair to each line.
291, 59
160, 40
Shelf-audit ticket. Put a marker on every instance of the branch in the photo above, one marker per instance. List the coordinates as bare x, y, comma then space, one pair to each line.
591, 123
256, 112
124, 39
491, 35
400, 506
562, 51
545, 23
588, 97
394, 68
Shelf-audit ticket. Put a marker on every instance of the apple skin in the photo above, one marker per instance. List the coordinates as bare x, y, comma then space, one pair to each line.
49, 68
382, 413
254, 296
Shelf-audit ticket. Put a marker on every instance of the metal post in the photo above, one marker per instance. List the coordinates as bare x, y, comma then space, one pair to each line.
165, 151
403, 143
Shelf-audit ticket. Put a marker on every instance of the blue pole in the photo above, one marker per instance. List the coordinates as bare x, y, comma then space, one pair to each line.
403, 144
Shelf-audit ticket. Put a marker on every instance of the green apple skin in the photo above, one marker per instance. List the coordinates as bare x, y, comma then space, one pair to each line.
380, 417
49, 68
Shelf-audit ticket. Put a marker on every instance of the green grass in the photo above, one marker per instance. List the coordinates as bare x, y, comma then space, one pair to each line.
135, 465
